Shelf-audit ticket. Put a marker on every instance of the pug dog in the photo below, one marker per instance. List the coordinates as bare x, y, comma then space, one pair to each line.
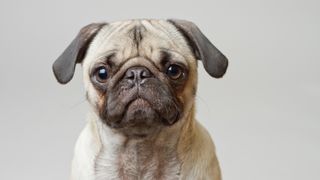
140, 78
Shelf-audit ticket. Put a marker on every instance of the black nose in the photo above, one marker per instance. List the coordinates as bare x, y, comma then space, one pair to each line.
137, 74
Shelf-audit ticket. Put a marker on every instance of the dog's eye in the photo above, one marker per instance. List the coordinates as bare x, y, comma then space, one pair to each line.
101, 74
174, 71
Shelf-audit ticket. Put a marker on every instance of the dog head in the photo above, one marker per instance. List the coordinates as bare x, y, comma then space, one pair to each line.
140, 75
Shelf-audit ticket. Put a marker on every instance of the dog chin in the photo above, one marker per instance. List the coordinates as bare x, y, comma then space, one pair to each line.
140, 119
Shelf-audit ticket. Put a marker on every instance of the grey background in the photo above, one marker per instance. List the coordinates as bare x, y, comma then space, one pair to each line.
264, 114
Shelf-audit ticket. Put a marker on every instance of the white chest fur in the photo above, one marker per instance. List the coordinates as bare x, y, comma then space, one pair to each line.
137, 161
101, 154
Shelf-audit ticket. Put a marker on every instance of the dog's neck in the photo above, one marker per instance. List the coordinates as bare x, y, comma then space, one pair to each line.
154, 156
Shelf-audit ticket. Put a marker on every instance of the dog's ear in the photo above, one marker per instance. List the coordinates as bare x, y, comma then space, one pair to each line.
214, 62
64, 66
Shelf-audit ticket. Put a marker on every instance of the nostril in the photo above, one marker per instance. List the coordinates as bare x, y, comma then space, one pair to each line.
130, 75
137, 74
145, 73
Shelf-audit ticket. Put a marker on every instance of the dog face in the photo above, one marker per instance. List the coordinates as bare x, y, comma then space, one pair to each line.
140, 75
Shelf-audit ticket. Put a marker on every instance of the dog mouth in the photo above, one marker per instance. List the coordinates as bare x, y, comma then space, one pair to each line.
140, 110
137, 104
139, 113
139, 119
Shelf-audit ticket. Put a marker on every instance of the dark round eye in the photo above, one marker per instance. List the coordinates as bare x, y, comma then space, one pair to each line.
174, 71
101, 74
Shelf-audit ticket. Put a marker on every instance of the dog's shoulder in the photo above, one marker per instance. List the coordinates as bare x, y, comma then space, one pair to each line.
201, 160
86, 149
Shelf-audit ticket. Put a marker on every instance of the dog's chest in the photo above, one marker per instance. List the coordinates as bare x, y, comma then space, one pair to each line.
137, 162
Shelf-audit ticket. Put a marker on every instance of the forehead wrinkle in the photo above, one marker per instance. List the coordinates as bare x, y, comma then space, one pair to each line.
103, 57
158, 28
175, 55
122, 27
115, 39
138, 61
166, 32
151, 28
111, 31
137, 28
174, 36
158, 35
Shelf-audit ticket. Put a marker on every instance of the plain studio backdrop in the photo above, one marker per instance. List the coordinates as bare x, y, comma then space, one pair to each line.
264, 115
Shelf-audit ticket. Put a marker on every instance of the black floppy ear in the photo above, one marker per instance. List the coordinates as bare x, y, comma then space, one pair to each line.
214, 62
64, 66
